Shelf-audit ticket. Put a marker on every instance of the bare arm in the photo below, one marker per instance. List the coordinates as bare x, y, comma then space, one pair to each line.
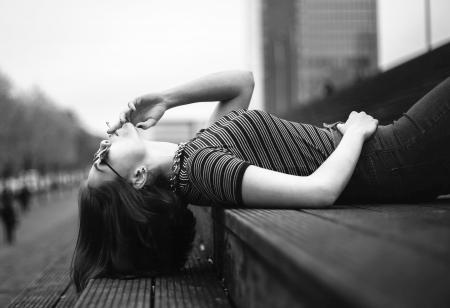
233, 90
266, 188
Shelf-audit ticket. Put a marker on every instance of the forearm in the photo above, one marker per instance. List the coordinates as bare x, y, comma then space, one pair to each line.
336, 171
219, 86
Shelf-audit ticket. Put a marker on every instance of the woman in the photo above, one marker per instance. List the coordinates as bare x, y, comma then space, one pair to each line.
133, 216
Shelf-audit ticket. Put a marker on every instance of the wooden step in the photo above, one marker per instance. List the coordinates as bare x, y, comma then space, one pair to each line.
196, 286
368, 256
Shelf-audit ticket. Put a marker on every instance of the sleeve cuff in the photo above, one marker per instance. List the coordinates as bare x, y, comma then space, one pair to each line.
239, 178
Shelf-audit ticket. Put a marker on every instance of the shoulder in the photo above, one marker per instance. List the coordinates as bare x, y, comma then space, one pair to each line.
217, 173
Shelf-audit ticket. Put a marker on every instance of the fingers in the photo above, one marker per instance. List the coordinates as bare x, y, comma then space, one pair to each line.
147, 124
115, 126
118, 124
133, 103
125, 116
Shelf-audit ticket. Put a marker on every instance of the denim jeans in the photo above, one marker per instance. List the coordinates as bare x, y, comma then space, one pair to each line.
407, 160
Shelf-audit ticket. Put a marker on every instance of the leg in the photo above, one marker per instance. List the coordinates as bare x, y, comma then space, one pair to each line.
421, 138
9, 234
409, 159
427, 121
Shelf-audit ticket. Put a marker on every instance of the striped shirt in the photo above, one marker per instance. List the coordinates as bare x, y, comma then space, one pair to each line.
213, 163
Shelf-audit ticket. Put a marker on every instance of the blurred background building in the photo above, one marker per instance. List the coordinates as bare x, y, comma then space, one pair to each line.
314, 47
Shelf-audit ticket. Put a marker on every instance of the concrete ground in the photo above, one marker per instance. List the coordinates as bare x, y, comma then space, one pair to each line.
46, 229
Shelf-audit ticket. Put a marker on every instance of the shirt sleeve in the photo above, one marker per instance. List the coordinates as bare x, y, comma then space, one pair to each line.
217, 174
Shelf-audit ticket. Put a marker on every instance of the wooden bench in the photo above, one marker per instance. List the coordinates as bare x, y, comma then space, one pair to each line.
350, 256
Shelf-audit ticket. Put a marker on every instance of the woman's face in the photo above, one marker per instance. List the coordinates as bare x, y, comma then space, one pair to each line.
126, 152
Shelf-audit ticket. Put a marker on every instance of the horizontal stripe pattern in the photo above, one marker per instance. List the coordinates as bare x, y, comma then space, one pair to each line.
214, 161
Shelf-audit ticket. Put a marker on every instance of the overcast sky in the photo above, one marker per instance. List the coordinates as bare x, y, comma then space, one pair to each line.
94, 56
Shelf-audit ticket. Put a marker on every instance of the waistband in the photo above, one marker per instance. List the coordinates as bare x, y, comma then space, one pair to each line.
335, 133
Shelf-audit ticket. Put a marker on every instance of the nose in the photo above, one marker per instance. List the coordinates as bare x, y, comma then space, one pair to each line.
105, 143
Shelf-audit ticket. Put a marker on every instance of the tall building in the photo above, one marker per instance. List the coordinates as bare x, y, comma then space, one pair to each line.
312, 48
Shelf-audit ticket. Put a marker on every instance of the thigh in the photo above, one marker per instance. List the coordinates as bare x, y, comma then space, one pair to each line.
426, 125
414, 171
391, 170
382, 173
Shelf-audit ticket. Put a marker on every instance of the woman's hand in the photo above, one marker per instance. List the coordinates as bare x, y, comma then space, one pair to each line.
359, 122
143, 112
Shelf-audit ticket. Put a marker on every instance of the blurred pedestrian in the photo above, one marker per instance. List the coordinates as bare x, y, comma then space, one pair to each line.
8, 214
24, 196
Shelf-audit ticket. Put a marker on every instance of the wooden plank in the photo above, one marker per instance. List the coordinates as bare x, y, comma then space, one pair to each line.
108, 292
360, 268
425, 229
49, 287
69, 298
196, 286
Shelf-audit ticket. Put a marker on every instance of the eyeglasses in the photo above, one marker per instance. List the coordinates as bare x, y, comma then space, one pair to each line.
102, 154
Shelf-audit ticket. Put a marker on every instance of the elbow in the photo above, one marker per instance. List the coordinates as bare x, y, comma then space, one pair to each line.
325, 199
324, 192
250, 82
247, 85
329, 199
329, 194
251, 79
324, 196
248, 79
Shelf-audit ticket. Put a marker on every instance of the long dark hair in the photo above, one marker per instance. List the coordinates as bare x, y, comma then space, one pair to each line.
125, 231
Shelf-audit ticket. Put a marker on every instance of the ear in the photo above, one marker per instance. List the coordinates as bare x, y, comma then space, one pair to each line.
140, 177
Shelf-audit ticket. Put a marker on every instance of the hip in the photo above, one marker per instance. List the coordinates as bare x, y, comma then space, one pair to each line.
390, 170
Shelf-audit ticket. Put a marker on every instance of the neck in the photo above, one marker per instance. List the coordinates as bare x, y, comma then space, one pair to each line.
160, 158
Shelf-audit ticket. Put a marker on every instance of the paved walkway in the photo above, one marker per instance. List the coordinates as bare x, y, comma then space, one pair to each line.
49, 227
